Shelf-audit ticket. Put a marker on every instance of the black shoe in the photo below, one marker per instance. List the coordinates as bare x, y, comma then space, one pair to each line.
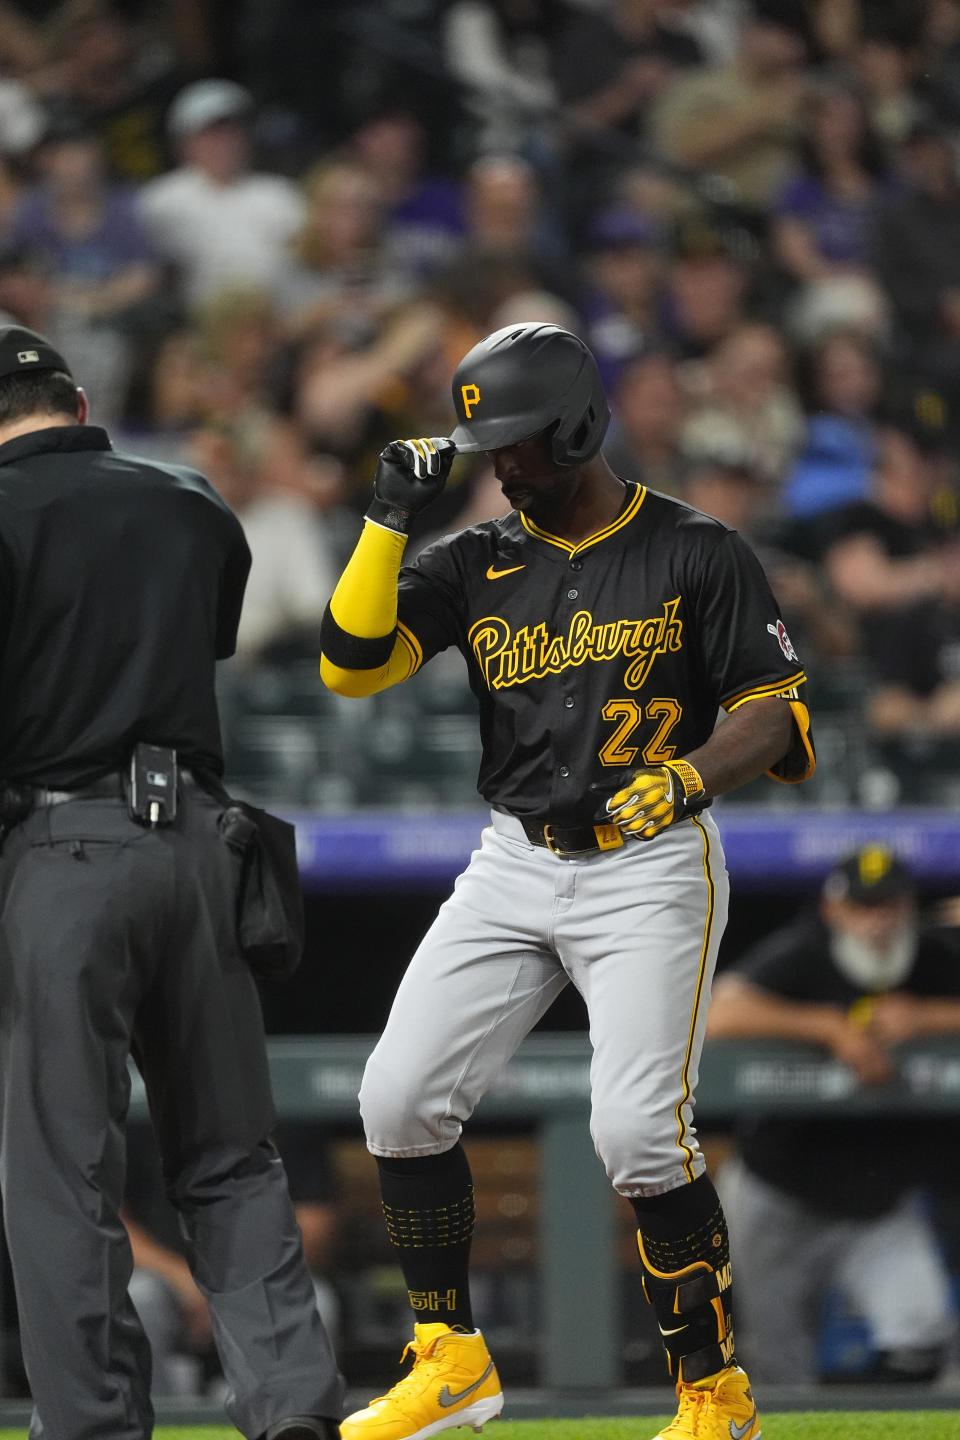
303, 1427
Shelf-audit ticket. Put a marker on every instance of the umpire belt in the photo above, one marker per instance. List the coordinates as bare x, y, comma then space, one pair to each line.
108, 787
568, 842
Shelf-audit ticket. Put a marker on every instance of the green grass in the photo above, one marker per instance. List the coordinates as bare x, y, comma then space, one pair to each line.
817, 1425
823, 1425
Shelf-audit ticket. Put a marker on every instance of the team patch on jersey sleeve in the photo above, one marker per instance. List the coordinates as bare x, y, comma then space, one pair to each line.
783, 639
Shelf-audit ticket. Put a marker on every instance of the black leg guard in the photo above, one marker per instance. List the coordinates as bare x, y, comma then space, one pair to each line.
688, 1284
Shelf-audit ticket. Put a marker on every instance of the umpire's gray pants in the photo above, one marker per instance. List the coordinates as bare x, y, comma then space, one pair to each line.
115, 938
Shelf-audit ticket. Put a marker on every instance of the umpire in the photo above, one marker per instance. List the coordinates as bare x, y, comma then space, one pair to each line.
121, 583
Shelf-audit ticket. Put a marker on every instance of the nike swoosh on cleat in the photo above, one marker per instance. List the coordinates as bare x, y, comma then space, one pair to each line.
446, 1399
738, 1431
498, 574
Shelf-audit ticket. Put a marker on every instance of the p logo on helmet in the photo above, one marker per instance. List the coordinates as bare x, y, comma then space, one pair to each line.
470, 395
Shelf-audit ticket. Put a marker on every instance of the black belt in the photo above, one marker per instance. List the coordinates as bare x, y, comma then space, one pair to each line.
574, 840
108, 787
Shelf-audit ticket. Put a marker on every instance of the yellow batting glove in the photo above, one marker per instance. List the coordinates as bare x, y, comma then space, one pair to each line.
656, 797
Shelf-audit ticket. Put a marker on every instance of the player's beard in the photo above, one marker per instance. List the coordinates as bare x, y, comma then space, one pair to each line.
869, 968
546, 505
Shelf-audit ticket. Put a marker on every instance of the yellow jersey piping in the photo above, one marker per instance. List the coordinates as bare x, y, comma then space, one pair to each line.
704, 952
801, 719
760, 692
621, 520
413, 646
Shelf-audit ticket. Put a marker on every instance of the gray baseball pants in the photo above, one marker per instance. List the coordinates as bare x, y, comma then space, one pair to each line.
635, 929
115, 938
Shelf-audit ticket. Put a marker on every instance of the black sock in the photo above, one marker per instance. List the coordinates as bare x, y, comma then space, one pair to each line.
428, 1206
676, 1230
677, 1213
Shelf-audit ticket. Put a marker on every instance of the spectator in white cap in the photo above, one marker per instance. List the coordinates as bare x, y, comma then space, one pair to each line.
206, 103
214, 218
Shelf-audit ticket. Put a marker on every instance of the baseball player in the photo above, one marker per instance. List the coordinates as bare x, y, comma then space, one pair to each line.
603, 626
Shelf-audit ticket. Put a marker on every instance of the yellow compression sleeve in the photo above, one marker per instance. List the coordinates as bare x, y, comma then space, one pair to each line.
364, 604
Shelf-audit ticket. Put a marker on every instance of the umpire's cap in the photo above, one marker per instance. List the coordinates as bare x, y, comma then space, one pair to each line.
23, 351
872, 875
525, 379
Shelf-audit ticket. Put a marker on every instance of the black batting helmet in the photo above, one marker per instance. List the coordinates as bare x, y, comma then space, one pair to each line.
525, 379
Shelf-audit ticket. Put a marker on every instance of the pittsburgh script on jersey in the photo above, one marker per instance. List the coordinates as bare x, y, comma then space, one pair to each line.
511, 657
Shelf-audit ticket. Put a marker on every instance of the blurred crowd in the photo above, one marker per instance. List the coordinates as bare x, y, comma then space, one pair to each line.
265, 231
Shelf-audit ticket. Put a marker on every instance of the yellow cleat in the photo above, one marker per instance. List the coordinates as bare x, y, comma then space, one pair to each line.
721, 1408
453, 1382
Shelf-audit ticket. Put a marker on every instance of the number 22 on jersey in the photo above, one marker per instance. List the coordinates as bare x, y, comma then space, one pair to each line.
627, 715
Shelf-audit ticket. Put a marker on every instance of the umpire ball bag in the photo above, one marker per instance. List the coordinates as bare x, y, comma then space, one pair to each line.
270, 918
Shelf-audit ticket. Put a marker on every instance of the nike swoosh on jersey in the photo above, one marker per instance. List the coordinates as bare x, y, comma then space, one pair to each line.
446, 1399
497, 574
738, 1431
671, 1332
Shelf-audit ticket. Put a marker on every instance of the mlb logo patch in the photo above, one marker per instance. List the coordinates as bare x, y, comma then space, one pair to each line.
28, 357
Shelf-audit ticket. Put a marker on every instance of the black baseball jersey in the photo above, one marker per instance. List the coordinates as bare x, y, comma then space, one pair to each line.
855, 1166
614, 653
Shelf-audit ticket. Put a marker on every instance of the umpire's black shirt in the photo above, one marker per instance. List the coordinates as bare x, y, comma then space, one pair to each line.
121, 582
